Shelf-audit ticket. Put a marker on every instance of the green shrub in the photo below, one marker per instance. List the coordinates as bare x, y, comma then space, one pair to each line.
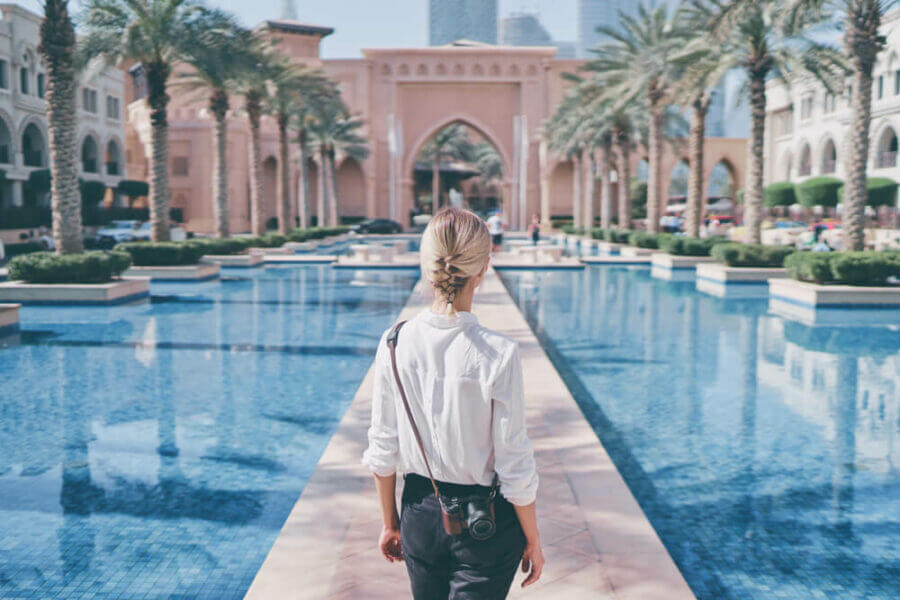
40, 181
616, 236
598, 233
735, 254
162, 254
572, 230
638, 198
269, 240
818, 191
644, 239
688, 246
23, 248
221, 246
778, 194
880, 191
849, 268
87, 267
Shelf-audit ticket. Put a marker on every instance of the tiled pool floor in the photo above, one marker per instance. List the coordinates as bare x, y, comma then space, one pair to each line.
154, 451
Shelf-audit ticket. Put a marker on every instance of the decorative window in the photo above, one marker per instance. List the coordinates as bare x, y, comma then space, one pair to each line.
4, 80
180, 166
89, 100
40, 85
112, 107
23, 80
806, 107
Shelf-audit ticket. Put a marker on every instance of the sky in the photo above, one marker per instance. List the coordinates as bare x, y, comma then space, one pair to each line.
362, 24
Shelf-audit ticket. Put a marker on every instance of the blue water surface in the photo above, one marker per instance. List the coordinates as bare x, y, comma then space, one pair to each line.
155, 450
766, 453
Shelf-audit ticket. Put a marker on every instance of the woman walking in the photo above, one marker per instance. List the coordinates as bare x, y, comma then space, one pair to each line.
448, 412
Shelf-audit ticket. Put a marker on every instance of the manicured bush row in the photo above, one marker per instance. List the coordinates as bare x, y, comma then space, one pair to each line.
23, 248
269, 240
849, 268
163, 254
87, 267
735, 254
616, 236
818, 191
777, 194
688, 246
572, 230
315, 233
880, 191
220, 246
644, 239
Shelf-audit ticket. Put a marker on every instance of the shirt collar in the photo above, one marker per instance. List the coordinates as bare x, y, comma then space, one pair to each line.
460, 319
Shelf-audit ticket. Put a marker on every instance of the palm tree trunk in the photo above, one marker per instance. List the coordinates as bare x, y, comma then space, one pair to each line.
624, 172
157, 76
695, 157
605, 184
303, 205
322, 200
863, 44
654, 161
218, 105
587, 161
753, 193
576, 192
332, 189
254, 115
435, 183
283, 185
58, 50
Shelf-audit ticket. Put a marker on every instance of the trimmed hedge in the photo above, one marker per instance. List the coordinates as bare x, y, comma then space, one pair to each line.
818, 191
688, 246
162, 254
781, 193
848, 268
269, 240
572, 230
735, 254
617, 236
315, 233
221, 246
23, 248
880, 191
644, 239
87, 267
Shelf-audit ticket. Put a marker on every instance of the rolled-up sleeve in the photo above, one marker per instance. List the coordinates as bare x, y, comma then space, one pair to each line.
513, 454
382, 454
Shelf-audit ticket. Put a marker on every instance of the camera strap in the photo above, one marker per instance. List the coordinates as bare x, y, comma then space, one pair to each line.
392, 345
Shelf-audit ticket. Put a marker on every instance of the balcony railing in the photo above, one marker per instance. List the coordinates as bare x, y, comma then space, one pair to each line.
887, 159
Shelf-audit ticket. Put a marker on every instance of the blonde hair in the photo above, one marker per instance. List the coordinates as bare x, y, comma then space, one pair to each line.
455, 247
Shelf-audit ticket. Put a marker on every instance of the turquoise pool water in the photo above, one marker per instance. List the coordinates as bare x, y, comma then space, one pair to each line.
153, 451
765, 453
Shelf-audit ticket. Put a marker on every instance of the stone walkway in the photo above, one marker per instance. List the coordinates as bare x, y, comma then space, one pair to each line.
597, 541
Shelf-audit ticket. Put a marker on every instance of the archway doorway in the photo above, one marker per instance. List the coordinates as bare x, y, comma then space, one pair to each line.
720, 188
351, 190
455, 166
267, 193
33, 147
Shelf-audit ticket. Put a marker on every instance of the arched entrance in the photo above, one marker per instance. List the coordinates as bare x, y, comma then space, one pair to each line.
267, 193
561, 190
34, 147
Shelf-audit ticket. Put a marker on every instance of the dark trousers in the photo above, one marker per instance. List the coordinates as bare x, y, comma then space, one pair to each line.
443, 567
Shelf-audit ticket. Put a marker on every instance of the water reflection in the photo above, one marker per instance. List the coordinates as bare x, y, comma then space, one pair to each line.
762, 450
160, 447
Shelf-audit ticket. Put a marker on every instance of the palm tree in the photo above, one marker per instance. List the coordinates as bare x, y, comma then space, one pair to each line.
563, 138
758, 37
488, 163
217, 57
450, 143
289, 86
862, 43
334, 133
153, 33
622, 121
57, 49
637, 63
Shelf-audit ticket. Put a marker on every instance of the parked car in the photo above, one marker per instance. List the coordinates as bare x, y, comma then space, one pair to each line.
121, 231
377, 226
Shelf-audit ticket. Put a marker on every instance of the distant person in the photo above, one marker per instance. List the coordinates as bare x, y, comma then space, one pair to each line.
495, 228
535, 229
448, 414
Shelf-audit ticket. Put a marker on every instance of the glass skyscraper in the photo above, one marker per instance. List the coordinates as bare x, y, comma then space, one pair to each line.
593, 13
451, 20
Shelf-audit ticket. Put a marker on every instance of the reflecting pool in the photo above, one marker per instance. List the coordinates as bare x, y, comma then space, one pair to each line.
765, 452
155, 450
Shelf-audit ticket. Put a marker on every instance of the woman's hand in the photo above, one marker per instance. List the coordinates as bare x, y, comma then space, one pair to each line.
389, 544
533, 560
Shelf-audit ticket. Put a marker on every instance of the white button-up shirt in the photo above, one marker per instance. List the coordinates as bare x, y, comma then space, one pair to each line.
453, 370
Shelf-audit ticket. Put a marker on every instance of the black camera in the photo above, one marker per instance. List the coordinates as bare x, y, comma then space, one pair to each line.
475, 513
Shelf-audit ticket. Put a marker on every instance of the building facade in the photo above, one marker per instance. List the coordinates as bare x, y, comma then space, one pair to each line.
404, 96
451, 20
23, 121
807, 127
523, 29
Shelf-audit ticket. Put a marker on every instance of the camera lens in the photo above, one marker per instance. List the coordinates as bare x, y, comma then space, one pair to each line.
480, 521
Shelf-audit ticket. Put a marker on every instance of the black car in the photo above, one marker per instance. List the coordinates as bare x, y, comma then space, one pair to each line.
377, 226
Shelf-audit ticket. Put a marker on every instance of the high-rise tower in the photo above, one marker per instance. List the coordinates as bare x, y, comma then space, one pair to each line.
288, 10
451, 20
593, 13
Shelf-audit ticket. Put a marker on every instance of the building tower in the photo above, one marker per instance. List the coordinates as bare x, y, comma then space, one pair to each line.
288, 10
451, 20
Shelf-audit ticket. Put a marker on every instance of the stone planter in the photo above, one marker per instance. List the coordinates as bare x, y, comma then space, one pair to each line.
263, 251
834, 305
617, 260
633, 251
676, 268
295, 247
119, 291
198, 272
9, 319
235, 260
736, 282
609, 248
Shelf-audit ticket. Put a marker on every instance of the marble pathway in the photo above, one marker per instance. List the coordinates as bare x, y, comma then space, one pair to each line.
597, 541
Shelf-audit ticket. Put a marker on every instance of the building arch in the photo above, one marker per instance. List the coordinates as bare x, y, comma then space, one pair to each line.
721, 180
7, 142
886, 148
351, 188
112, 159
89, 153
678, 180
805, 165
34, 144
409, 161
